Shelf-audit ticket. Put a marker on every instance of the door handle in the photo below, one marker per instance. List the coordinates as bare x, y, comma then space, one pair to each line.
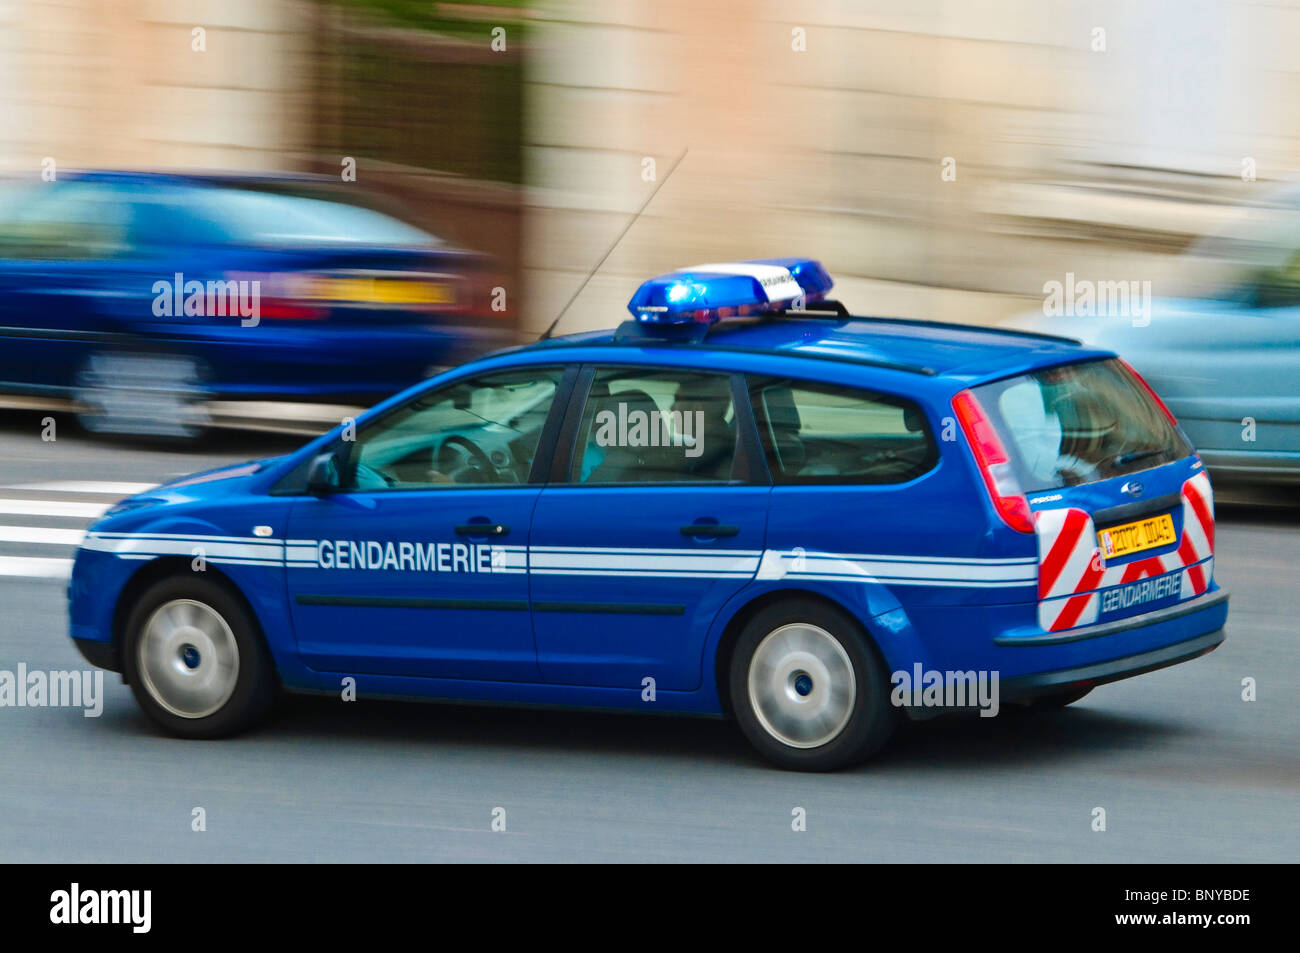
482, 529
709, 530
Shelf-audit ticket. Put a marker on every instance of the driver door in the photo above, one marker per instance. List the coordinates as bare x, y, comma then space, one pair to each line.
417, 564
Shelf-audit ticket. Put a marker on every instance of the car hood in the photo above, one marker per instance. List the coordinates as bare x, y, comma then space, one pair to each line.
206, 484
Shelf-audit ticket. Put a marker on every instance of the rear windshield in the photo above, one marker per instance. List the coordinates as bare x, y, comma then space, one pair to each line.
251, 216
1080, 423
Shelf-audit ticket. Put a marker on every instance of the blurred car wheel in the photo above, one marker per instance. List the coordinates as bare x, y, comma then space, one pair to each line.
195, 659
139, 394
808, 691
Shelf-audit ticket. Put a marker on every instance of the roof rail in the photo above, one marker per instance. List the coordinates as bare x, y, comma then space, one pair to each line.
827, 310
957, 325
838, 311
813, 307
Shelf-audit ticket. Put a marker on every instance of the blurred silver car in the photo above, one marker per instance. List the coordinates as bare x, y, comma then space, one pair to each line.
1225, 357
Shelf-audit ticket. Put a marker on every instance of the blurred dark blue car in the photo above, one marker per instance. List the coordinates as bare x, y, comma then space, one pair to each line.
144, 300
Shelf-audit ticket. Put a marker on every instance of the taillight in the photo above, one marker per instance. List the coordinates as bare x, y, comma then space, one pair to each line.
285, 309
994, 464
284, 296
1150, 393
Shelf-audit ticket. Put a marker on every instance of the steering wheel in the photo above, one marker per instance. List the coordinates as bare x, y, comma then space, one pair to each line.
478, 461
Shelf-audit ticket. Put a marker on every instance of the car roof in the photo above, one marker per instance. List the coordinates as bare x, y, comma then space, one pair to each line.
966, 353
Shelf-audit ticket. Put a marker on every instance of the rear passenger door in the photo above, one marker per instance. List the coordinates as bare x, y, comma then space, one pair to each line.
860, 496
654, 519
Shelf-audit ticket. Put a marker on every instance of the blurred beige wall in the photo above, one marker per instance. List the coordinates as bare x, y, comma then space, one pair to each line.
1089, 137
118, 83
1093, 136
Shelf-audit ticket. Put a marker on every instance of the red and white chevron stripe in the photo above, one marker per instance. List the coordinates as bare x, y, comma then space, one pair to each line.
1072, 569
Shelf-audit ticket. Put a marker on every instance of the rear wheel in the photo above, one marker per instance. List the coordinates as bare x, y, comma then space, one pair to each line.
807, 688
195, 659
142, 395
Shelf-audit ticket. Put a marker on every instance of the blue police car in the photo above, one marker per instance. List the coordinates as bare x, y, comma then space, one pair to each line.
744, 501
163, 304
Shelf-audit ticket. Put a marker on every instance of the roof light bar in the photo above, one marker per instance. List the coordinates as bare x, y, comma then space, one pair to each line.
708, 293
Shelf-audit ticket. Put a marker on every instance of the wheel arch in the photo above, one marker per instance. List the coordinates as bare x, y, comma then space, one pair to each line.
722, 655
156, 570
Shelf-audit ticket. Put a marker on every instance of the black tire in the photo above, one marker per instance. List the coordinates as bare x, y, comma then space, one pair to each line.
250, 683
812, 741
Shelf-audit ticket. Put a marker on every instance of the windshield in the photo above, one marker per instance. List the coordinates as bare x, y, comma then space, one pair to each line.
1080, 423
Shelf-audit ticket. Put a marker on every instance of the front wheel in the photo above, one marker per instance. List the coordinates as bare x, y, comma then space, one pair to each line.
808, 690
195, 659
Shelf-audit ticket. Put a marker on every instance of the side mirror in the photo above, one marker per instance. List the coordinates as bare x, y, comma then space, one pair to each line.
323, 475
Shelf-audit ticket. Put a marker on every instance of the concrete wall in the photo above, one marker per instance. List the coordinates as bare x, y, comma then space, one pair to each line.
1094, 137
118, 83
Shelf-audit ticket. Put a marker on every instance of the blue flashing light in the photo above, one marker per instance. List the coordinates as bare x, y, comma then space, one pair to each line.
707, 293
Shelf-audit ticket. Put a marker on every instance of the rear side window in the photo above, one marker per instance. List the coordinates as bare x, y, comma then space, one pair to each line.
250, 216
819, 433
1064, 426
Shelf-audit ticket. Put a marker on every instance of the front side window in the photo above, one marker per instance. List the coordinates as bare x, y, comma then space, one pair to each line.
479, 432
826, 433
644, 425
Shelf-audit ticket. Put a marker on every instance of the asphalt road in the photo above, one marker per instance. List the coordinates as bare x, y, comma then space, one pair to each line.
1185, 770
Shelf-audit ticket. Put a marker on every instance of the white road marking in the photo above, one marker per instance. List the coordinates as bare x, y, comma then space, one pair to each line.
42, 535
87, 486
55, 502
52, 508
35, 567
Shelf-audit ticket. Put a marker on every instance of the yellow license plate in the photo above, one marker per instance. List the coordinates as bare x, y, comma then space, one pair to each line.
1136, 536
385, 291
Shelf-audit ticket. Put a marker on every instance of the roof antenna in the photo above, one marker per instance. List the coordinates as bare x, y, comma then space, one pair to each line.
644, 205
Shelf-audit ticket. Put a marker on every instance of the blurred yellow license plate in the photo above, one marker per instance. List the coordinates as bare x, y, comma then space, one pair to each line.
385, 291
1136, 536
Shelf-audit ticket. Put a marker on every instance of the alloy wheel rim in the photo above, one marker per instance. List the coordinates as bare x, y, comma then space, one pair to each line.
801, 685
188, 658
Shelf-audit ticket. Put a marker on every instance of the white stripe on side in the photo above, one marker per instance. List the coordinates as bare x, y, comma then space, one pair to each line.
885, 569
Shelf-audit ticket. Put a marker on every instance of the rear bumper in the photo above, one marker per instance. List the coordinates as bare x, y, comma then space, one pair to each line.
1026, 687
1023, 662
1202, 603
